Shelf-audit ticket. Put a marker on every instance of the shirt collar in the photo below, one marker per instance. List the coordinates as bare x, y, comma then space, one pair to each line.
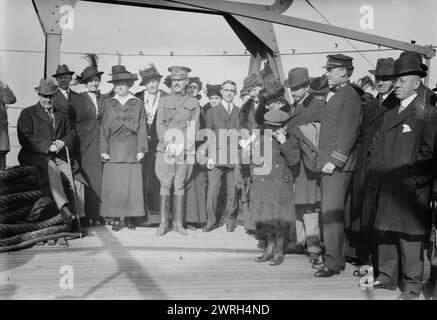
123, 100
406, 102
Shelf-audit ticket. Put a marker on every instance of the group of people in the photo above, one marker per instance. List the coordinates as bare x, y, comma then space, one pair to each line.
337, 174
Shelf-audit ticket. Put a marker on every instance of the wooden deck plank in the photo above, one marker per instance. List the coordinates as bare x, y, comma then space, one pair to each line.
138, 265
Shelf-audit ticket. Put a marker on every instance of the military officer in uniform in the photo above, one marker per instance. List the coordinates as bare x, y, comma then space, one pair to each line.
177, 122
338, 134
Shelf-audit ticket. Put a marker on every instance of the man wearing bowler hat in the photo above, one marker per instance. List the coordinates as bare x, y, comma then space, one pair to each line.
336, 158
306, 109
176, 115
62, 97
423, 91
359, 237
400, 162
45, 134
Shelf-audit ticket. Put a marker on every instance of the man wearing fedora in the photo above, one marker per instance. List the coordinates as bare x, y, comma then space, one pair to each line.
305, 110
6, 97
45, 135
340, 121
150, 96
85, 113
400, 161
175, 150
62, 97
359, 237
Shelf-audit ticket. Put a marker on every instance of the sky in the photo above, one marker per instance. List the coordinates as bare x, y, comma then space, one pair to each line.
106, 28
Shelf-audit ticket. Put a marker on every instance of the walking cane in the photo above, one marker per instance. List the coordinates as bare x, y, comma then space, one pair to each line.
70, 171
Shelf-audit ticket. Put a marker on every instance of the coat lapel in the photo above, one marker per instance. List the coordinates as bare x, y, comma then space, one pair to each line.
390, 102
41, 113
406, 113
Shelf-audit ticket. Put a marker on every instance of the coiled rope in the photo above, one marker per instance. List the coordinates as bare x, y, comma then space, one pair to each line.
14, 229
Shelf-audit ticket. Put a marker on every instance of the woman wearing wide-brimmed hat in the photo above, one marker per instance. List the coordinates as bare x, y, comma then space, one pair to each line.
150, 96
123, 143
86, 112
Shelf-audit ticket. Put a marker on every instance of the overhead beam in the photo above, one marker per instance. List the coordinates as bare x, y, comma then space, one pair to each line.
49, 14
269, 14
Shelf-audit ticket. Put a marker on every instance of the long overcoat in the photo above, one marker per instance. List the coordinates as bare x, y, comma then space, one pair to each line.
307, 183
272, 201
36, 134
6, 97
86, 121
396, 187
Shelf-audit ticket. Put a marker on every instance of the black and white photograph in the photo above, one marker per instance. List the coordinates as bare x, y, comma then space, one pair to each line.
219, 156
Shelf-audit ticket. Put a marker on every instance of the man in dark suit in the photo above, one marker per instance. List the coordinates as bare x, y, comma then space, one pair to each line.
373, 114
45, 135
400, 179
338, 134
305, 110
62, 96
221, 163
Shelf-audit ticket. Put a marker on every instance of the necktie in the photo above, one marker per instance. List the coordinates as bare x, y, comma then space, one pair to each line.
52, 118
229, 108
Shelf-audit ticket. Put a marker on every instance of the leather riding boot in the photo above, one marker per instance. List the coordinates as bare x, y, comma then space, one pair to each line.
179, 214
164, 207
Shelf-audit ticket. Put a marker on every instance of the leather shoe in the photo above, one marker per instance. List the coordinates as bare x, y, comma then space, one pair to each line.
230, 226
313, 258
116, 225
67, 215
408, 295
379, 285
209, 227
325, 273
131, 224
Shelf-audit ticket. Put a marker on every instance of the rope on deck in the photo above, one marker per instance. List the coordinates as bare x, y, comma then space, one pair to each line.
15, 215
14, 229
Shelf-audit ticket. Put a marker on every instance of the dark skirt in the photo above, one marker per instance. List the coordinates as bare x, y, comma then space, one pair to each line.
196, 191
122, 190
151, 185
92, 168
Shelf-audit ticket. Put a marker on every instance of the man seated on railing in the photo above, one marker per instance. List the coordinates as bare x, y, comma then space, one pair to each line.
46, 137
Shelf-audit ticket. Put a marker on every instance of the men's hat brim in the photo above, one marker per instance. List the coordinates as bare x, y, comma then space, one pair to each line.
276, 124
323, 91
419, 73
291, 85
46, 93
62, 73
